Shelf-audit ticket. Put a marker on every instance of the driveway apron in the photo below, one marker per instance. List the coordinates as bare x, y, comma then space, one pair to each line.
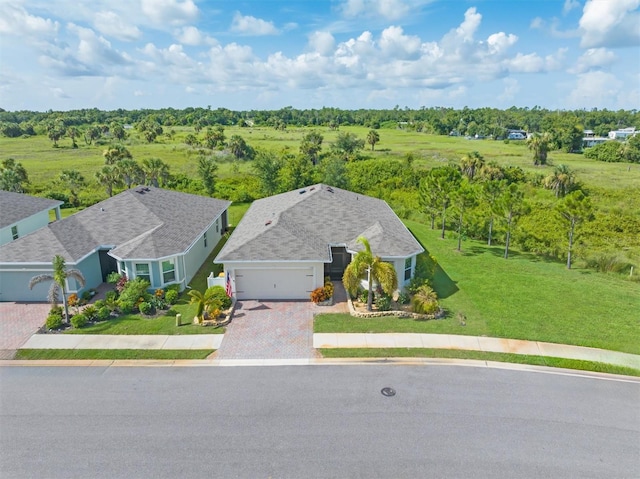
275, 329
18, 322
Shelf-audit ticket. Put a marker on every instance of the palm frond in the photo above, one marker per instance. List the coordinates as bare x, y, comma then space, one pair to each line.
77, 275
54, 292
39, 279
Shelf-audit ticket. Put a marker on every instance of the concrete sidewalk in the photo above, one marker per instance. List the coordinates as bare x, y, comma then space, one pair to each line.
474, 343
118, 341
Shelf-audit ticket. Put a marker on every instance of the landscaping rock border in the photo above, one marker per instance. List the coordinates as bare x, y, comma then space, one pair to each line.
400, 314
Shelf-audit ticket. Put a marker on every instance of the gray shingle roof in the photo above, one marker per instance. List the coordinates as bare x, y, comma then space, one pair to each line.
16, 206
148, 225
303, 226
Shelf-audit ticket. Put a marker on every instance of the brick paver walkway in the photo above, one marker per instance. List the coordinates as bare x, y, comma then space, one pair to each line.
275, 329
18, 321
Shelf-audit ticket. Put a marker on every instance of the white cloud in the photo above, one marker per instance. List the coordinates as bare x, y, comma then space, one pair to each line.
570, 5
511, 89
537, 23
500, 42
593, 59
596, 89
322, 42
248, 25
15, 20
394, 43
190, 90
387, 9
111, 24
192, 36
58, 93
170, 12
610, 24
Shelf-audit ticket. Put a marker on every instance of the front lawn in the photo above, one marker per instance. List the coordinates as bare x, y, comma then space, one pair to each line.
523, 297
58, 354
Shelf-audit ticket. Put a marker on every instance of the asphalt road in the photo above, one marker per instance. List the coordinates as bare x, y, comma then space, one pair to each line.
315, 422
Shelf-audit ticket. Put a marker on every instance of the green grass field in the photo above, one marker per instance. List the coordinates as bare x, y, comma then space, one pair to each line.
524, 297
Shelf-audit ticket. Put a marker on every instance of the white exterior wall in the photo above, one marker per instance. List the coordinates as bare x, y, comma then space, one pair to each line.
195, 257
25, 226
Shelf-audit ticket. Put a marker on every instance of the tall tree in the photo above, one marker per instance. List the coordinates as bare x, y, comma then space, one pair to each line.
311, 145
73, 133
296, 172
207, 168
239, 148
115, 153
511, 206
156, 171
347, 145
130, 172
92, 134
574, 208
539, 144
267, 168
443, 180
471, 164
561, 181
376, 270
109, 177
490, 191
429, 200
373, 137
333, 172
74, 181
59, 282
13, 176
55, 131
464, 198
118, 131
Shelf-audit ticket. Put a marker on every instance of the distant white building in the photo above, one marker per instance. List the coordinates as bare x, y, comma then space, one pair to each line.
623, 133
589, 141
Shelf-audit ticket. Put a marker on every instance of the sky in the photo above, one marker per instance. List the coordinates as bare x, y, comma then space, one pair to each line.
349, 54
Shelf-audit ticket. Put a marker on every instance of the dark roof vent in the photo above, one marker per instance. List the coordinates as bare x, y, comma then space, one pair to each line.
267, 223
140, 191
302, 191
329, 189
147, 189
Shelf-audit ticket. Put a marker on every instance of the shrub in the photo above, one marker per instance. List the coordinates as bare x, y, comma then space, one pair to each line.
122, 282
363, 296
91, 312
126, 307
104, 313
159, 293
54, 320
145, 307
72, 300
110, 296
328, 288
383, 302
425, 301
403, 298
318, 295
101, 303
218, 293
171, 296
157, 303
134, 292
79, 320
86, 296
113, 278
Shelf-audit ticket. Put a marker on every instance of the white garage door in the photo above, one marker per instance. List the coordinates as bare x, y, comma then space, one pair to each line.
274, 283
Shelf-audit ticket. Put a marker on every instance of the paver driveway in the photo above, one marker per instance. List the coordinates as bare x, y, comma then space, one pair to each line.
18, 322
275, 329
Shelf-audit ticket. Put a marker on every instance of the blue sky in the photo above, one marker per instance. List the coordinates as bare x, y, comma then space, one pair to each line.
268, 54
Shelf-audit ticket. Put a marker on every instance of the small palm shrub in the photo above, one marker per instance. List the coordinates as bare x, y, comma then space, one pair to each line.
113, 278
91, 312
79, 320
101, 303
383, 302
86, 296
425, 300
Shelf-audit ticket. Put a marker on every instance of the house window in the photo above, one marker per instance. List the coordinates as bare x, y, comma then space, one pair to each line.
407, 268
123, 269
168, 271
142, 271
217, 225
14, 232
205, 239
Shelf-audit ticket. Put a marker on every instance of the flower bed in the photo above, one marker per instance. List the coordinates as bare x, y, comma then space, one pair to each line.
359, 310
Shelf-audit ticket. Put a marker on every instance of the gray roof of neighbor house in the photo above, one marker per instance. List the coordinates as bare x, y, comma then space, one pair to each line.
303, 224
140, 223
16, 206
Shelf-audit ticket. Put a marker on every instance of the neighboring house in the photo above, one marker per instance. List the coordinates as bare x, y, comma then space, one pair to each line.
23, 214
286, 244
590, 141
160, 235
622, 134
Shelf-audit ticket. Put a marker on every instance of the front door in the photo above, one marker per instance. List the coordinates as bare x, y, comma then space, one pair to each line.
336, 268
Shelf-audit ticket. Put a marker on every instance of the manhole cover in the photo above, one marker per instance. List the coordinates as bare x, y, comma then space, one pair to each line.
388, 392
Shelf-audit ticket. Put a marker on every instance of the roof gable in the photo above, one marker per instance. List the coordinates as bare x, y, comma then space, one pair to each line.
15, 207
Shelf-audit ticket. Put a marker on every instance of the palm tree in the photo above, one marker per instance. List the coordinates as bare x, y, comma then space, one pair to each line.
471, 164
561, 181
59, 278
74, 181
377, 270
155, 171
425, 301
574, 208
205, 302
109, 176
116, 153
130, 172
539, 144
372, 138
73, 133
511, 206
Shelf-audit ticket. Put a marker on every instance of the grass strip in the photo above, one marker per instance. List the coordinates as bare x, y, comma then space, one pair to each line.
479, 355
33, 354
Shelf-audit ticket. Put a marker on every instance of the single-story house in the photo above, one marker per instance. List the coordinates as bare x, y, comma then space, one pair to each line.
623, 133
144, 232
23, 214
286, 244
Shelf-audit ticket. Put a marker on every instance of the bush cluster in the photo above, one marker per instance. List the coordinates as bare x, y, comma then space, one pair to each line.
79, 320
54, 319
